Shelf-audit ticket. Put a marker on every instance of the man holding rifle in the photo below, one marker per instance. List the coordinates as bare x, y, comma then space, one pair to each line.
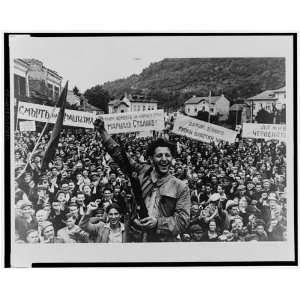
163, 200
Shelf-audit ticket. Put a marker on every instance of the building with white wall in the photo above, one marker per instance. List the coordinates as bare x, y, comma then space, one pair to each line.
35, 81
132, 103
267, 100
215, 105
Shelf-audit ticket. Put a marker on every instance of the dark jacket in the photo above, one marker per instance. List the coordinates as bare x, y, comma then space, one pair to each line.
174, 204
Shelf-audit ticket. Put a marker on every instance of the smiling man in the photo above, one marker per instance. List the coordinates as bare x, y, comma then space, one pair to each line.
111, 232
167, 198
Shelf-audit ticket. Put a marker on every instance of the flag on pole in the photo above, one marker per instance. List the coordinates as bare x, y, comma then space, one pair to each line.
52, 145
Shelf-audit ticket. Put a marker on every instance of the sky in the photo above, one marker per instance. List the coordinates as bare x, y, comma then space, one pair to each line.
87, 61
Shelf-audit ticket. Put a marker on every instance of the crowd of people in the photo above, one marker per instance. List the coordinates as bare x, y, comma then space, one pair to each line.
237, 191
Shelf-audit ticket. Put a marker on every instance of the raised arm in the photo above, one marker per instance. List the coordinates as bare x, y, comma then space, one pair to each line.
117, 152
85, 222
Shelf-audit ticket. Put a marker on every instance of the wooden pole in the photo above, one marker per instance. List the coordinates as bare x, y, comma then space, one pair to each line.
209, 97
36, 144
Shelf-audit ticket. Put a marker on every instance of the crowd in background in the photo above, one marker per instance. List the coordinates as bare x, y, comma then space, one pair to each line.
238, 191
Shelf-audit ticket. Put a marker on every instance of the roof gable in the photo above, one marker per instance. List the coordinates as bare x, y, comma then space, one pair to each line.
211, 100
117, 102
266, 95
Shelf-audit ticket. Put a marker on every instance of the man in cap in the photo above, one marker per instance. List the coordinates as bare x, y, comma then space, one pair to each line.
32, 236
195, 232
48, 234
167, 199
26, 221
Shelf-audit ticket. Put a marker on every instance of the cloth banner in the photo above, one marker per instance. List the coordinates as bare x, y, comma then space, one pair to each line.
134, 121
27, 126
202, 131
44, 113
264, 131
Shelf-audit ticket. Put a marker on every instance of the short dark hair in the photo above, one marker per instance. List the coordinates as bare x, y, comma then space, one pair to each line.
161, 143
111, 206
72, 205
67, 216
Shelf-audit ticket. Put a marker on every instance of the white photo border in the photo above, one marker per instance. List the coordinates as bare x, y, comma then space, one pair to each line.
162, 254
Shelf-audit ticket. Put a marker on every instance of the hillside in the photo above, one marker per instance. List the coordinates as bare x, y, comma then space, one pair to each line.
172, 81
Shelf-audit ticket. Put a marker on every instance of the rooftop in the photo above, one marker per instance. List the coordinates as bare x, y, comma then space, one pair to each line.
268, 94
117, 102
236, 107
139, 98
28, 61
87, 106
73, 99
197, 99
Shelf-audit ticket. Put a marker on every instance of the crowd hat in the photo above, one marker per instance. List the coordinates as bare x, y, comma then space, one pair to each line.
24, 203
230, 204
195, 228
45, 225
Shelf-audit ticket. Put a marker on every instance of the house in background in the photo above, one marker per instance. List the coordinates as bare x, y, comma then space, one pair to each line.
118, 106
267, 100
132, 103
85, 106
215, 105
34, 82
73, 99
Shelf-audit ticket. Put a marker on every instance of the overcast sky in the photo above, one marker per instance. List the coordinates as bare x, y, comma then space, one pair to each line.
87, 61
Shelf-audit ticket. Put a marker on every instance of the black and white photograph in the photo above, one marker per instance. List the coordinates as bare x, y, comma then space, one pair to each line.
151, 149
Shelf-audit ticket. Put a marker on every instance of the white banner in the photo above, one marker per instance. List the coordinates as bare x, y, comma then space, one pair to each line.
264, 131
134, 121
43, 113
202, 131
27, 126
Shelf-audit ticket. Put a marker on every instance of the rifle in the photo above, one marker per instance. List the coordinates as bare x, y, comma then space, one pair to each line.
135, 185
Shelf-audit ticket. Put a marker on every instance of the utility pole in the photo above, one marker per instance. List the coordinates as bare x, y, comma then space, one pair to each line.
252, 111
209, 98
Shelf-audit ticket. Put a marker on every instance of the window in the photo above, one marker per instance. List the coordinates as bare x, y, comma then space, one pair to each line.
56, 92
144, 107
203, 107
188, 109
19, 86
196, 109
212, 110
50, 90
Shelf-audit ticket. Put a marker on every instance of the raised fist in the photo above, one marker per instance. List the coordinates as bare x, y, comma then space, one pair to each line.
92, 206
99, 124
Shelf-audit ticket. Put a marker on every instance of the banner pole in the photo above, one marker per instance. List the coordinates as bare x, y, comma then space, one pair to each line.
36, 144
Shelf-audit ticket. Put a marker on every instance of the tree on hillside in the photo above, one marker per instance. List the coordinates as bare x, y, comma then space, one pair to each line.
98, 97
76, 91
